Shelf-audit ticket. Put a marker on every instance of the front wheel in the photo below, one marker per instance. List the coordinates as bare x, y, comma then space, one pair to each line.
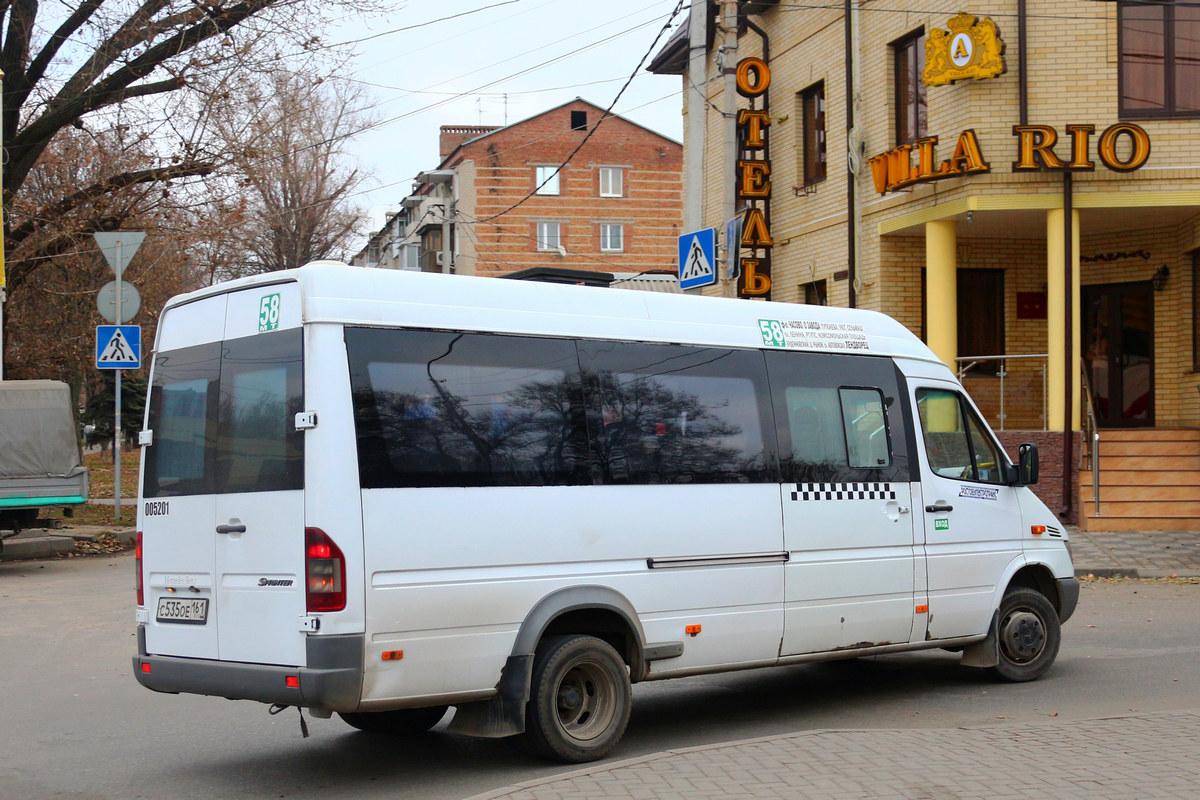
401, 722
1028, 635
579, 701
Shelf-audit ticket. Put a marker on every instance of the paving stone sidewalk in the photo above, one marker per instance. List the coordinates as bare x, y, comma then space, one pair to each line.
1143, 756
1137, 554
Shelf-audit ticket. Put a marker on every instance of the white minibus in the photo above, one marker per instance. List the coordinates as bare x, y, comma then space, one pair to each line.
383, 494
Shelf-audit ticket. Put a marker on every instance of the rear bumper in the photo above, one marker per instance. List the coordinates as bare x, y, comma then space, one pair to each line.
331, 680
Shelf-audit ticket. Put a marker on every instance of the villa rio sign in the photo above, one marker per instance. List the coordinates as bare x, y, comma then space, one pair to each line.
1123, 147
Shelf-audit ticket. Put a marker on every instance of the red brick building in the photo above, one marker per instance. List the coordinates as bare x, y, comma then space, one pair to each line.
535, 194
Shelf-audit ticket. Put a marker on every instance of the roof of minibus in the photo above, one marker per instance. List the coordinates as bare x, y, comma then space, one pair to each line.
336, 293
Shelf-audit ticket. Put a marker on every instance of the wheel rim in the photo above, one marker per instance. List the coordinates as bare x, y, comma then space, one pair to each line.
1022, 635
585, 700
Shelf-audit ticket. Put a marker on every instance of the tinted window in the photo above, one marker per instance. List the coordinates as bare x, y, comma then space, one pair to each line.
675, 414
258, 446
223, 417
837, 418
183, 410
453, 409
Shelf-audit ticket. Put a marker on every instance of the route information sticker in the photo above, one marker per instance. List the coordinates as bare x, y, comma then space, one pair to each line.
804, 334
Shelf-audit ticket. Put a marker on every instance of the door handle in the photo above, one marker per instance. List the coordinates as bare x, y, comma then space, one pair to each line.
936, 507
231, 529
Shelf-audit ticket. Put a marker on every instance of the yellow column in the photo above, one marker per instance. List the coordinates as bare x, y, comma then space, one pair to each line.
1056, 320
941, 290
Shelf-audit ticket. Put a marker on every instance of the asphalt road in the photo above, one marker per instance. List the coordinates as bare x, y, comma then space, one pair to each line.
74, 723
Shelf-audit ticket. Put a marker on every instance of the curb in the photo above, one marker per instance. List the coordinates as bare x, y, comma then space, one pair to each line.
1108, 572
17, 548
24, 547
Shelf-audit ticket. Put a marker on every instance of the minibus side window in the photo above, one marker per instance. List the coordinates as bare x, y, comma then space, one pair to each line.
866, 428
833, 428
455, 409
676, 414
955, 441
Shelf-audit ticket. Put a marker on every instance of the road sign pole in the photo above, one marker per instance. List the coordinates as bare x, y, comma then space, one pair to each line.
112, 247
117, 420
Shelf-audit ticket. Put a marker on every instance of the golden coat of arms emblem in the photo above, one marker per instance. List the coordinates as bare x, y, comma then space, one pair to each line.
967, 50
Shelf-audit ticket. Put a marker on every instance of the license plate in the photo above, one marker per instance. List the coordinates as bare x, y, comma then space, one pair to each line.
185, 610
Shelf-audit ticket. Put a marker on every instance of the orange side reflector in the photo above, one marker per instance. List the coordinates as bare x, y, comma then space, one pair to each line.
146, 668
292, 681
692, 630
922, 609
393, 655
1037, 530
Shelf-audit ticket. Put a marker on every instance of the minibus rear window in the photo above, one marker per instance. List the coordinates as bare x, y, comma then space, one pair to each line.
222, 415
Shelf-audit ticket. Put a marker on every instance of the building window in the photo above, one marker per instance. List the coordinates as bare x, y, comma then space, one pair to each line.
908, 57
815, 293
812, 115
612, 237
579, 120
611, 184
549, 236
547, 179
1159, 47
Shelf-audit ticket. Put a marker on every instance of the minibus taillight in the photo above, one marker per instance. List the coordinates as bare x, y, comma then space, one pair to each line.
326, 571
137, 560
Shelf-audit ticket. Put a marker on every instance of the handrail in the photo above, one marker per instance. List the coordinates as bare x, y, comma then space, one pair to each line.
1092, 432
965, 363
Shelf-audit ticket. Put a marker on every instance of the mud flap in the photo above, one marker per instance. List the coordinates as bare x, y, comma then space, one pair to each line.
504, 714
987, 652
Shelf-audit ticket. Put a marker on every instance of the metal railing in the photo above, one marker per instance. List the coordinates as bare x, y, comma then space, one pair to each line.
1091, 450
966, 363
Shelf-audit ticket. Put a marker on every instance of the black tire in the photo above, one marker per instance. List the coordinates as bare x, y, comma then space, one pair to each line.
401, 722
579, 701
1028, 635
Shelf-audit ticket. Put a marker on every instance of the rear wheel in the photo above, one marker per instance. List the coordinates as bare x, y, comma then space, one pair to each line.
579, 701
1028, 635
402, 722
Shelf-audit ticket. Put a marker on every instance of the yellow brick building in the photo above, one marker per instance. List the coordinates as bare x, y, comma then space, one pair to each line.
892, 169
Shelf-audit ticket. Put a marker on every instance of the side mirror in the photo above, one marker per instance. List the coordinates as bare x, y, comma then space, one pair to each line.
1027, 464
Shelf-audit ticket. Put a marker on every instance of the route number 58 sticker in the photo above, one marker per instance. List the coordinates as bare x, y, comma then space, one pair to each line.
772, 333
268, 313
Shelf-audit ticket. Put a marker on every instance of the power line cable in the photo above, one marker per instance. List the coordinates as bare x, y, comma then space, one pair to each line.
603, 117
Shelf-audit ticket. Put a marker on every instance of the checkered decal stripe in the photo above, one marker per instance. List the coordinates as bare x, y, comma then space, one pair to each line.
844, 491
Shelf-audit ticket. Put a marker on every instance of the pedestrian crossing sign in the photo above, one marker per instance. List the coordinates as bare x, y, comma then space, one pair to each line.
698, 258
118, 346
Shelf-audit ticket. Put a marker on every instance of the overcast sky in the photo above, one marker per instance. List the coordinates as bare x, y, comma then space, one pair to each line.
507, 61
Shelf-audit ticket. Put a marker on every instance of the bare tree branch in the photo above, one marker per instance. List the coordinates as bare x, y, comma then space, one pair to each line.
108, 186
73, 101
